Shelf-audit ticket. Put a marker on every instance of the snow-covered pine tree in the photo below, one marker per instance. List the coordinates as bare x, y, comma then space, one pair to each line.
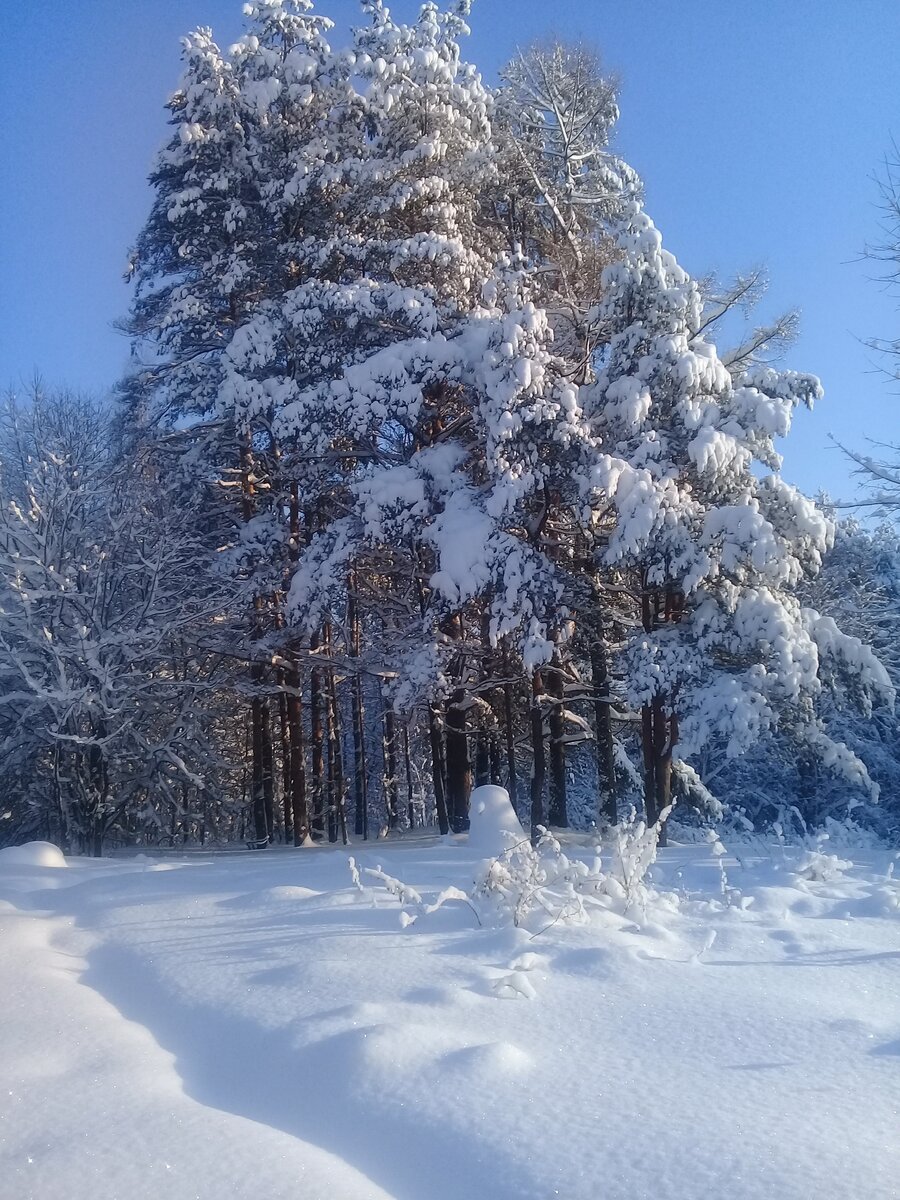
562, 188
725, 649
422, 379
193, 264
301, 122
197, 272
299, 113
562, 192
233, 201
859, 588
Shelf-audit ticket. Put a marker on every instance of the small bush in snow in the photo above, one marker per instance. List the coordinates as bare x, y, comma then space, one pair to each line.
525, 878
634, 853
541, 880
819, 867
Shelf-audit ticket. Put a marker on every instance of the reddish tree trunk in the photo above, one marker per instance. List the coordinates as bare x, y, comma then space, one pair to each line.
459, 769
437, 769
559, 809
539, 767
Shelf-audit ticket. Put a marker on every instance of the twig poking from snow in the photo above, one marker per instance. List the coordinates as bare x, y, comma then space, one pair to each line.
404, 893
354, 873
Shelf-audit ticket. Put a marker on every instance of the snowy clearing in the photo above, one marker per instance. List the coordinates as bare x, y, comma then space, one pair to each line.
238, 1024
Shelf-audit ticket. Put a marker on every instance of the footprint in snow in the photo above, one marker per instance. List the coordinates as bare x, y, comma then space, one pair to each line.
441, 997
591, 962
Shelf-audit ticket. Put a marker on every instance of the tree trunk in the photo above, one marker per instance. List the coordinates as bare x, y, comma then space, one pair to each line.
648, 749
294, 703
317, 738
539, 766
299, 810
337, 812
559, 811
389, 760
257, 767
606, 750
284, 729
331, 748
658, 736
510, 733
268, 768
659, 731
482, 759
482, 738
649, 609
410, 807
663, 765
494, 758
360, 773
459, 770
259, 788
437, 768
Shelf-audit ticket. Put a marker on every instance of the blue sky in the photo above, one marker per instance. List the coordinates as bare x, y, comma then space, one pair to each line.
757, 126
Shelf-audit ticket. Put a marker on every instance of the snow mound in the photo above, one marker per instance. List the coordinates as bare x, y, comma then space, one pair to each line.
494, 825
492, 1060
33, 854
287, 891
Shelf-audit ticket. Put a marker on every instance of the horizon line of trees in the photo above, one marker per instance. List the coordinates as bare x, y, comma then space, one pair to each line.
427, 472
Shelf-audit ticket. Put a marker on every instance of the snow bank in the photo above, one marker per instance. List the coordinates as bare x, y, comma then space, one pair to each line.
33, 854
241, 1038
494, 825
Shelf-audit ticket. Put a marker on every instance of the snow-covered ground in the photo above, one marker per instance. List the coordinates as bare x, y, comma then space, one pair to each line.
255, 1025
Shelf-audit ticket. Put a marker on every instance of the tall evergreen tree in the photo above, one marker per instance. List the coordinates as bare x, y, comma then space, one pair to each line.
725, 650
444, 401
194, 261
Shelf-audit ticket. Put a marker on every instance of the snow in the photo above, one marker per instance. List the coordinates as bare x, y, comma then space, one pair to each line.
34, 854
493, 826
245, 1024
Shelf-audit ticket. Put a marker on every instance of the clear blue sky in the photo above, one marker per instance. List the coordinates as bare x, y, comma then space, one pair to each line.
756, 124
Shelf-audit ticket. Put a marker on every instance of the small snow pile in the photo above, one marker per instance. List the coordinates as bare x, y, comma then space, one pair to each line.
494, 826
32, 854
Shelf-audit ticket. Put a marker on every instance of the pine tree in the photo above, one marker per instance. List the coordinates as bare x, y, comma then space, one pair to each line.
193, 265
562, 188
725, 649
442, 403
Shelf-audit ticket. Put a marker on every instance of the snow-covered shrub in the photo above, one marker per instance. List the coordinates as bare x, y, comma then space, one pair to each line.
818, 866
542, 881
528, 879
540, 878
635, 846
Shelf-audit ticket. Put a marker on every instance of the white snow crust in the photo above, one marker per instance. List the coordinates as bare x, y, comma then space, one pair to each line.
242, 1025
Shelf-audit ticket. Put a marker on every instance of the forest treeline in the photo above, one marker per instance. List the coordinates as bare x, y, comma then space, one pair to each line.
427, 472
